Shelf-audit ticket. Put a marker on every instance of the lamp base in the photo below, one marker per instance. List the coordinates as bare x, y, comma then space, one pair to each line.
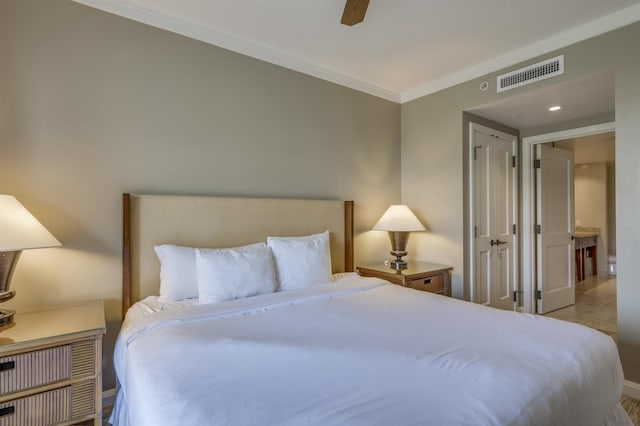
6, 317
398, 265
7, 295
398, 249
8, 260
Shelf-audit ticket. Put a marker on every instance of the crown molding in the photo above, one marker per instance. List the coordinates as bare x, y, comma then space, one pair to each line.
150, 17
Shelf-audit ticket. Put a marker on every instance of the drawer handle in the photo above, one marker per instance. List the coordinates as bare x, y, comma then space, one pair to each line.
9, 365
6, 411
427, 281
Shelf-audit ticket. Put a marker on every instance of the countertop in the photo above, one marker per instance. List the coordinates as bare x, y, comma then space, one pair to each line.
585, 232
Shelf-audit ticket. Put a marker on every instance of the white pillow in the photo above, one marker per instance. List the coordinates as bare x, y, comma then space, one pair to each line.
301, 261
178, 280
177, 272
234, 273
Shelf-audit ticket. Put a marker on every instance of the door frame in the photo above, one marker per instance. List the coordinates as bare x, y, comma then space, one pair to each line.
471, 211
528, 239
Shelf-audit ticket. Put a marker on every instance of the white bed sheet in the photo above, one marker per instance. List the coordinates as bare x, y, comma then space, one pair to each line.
361, 352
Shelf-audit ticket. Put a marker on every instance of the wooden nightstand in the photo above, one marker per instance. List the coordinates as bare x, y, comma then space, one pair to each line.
423, 276
51, 367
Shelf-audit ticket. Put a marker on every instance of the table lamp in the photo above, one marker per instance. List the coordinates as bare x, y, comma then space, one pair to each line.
399, 221
19, 230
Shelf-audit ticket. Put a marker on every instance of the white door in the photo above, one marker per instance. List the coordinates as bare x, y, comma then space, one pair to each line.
555, 254
494, 217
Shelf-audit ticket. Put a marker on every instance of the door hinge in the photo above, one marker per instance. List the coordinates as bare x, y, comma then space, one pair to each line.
513, 161
475, 232
539, 294
536, 164
538, 229
475, 152
514, 229
515, 294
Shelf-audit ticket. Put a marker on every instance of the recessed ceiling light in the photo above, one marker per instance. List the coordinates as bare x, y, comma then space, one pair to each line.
555, 108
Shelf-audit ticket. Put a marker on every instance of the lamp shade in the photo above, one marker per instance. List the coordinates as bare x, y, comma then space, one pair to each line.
399, 218
19, 230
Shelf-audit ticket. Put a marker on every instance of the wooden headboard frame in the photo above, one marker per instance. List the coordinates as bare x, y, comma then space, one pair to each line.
292, 217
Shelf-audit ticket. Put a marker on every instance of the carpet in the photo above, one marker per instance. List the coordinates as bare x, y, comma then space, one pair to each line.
632, 407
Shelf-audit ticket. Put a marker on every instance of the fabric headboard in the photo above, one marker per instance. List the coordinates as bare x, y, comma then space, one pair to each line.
203, 221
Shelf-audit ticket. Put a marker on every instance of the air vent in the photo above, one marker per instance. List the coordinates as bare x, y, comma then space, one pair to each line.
536, 72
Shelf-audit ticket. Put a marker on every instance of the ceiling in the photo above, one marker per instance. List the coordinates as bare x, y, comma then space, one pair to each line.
591, 149
585, 97
404, 49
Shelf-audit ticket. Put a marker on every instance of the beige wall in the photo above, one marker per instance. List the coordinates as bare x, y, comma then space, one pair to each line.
590, 194
93, 105
432, 166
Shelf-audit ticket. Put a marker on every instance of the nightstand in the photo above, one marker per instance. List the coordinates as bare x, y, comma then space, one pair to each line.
51, 367
430, 277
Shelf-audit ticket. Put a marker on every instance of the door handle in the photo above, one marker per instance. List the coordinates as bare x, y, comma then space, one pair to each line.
9, 365
497, 242
6, 411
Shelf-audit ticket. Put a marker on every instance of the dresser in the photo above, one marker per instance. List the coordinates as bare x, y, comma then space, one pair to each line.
51, 367
431, 277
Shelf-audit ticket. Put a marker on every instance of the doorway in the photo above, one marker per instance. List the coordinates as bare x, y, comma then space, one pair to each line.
529, 266
595, 290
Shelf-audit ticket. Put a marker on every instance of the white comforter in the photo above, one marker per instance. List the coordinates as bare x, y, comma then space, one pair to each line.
362, 352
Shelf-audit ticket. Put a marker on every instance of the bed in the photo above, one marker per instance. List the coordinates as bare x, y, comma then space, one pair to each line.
345, 351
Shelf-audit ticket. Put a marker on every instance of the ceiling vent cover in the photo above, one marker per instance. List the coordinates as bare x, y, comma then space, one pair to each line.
532, 73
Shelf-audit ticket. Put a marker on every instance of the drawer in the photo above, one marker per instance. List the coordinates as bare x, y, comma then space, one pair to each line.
38, 368
62, 405
33, 369
433, 284
42, 409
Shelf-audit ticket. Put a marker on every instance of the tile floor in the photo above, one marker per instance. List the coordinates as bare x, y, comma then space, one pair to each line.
595, 305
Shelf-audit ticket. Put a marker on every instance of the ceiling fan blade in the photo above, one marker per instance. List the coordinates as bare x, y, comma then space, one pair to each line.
354, 11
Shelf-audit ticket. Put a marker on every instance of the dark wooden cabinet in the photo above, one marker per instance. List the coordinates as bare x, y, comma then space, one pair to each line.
423, 276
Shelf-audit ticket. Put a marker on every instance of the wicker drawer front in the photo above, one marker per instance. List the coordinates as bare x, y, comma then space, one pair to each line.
33, 369
53, 407
434, 284
42, 409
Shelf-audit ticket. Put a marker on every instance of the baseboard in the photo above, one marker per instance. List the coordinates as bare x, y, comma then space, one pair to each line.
108, 397
631, 389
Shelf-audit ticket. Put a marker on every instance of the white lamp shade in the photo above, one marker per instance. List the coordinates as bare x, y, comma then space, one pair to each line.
399, 218
19, 230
